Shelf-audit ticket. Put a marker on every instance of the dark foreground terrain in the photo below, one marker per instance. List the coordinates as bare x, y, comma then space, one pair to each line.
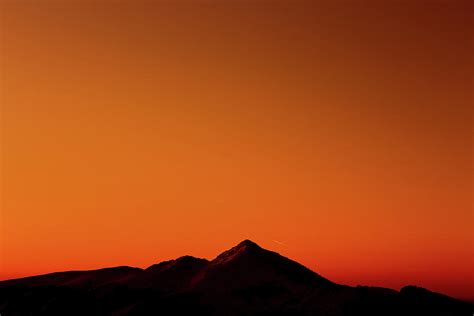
245, 280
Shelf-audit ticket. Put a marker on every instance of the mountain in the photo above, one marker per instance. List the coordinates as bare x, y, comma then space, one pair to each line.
244, 280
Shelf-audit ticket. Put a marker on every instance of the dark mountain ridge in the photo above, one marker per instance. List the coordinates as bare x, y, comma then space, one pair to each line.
244, 280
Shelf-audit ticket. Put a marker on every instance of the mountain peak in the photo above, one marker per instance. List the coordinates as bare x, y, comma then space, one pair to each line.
184, 261
242, 248
247, 243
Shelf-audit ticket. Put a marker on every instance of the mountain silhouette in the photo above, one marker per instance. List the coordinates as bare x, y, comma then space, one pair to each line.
244, 280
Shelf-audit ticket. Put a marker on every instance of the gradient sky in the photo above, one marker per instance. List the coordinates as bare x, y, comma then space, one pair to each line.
337, 133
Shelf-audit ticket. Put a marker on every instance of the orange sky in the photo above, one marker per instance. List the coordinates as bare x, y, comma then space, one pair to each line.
338, 134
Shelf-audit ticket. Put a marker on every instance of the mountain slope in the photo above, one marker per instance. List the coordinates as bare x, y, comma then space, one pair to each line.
170, 275
75, 279
248, 264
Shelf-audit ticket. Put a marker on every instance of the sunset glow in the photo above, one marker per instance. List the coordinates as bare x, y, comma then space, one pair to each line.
338, 134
